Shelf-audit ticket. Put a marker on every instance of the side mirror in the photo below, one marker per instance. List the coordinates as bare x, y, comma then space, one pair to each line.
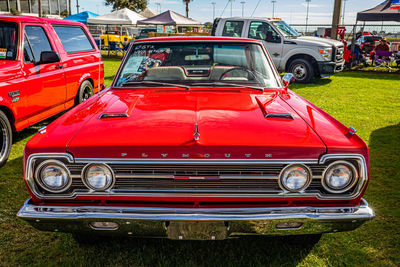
47, 57
271, 38
287, 79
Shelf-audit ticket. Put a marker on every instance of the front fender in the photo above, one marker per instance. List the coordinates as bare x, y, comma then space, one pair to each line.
7, 107
300, 51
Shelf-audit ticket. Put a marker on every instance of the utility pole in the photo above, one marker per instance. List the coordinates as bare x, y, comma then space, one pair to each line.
213, 4
243, 2
308, 9
231, 6
344, 11
77, 6
158, 8
40, 11
336, 18
273, 8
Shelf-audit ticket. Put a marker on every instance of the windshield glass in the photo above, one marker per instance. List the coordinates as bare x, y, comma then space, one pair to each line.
285, 29
196, 63
8, 40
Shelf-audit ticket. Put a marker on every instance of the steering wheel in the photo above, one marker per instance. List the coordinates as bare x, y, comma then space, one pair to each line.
238, 68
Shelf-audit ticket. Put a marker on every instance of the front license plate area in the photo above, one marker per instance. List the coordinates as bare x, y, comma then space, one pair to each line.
198, 230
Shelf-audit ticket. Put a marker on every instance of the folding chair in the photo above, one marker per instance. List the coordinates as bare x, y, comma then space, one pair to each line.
383, 59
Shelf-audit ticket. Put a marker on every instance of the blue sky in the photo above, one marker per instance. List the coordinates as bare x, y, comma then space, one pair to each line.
292, 11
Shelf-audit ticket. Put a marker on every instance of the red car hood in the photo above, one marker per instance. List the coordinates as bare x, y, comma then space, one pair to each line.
162, 123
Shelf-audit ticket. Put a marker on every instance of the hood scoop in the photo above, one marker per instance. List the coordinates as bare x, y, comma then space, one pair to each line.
113, 115
286, 116
121, 107
271, 109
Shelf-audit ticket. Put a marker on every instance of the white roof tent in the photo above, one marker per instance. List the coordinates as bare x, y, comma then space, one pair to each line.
119, 17
170, 18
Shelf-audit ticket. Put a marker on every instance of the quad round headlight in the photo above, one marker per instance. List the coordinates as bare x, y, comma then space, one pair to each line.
53, 176
339, 177
98, 177
295, 178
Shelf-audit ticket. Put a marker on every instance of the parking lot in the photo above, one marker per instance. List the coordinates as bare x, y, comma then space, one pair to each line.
368, 101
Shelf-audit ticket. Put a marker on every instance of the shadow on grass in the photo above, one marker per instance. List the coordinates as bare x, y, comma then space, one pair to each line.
243, 251
314, 83
384, 147
371, 75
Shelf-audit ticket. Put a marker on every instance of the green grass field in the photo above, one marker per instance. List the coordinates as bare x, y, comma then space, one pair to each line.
370, 102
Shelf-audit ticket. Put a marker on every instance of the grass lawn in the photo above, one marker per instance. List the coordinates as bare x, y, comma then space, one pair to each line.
370, 102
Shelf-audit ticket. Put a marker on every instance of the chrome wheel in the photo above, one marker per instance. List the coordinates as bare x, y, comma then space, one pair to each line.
302, 69
299, 71
5, 138
87, 93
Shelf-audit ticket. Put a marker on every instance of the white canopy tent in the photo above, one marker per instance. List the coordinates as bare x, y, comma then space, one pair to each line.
119, 17
148, 13
170, 18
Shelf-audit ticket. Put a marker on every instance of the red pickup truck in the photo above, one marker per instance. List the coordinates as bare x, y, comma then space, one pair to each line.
46, 67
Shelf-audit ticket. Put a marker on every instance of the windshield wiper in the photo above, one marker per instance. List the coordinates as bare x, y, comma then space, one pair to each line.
155, 83
230, 84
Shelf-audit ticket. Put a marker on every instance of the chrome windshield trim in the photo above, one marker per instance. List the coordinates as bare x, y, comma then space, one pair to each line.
216, 40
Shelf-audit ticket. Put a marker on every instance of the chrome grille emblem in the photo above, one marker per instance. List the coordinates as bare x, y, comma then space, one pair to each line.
196, 132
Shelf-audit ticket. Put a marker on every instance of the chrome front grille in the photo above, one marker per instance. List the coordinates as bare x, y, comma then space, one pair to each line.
339, 53
180, 177
238, 179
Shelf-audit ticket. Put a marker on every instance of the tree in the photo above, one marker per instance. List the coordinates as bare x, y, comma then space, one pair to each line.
187, 6
208, 25
135, 5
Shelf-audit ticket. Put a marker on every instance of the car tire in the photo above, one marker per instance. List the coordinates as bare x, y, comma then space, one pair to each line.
5, 139
85, 91
302, 70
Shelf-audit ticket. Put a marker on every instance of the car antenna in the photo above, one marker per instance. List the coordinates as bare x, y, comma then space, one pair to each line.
98, 92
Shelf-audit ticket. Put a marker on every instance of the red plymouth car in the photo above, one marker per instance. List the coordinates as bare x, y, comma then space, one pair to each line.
197, 138
46, 67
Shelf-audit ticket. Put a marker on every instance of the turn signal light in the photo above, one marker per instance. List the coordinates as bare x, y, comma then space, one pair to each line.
289, 225
104, 225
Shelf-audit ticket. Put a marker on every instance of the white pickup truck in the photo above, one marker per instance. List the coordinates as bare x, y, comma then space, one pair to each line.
306, 57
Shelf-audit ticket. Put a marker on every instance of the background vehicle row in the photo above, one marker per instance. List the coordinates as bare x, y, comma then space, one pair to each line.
46, 66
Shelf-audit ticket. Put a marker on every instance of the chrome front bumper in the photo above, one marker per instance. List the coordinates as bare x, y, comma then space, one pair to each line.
200, 223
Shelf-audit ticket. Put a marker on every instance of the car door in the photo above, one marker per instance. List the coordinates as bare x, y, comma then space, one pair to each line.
80, 57
48, 95
272, 40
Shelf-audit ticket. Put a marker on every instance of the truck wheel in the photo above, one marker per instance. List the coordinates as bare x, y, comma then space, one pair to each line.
302, 70
5, 138
85, 91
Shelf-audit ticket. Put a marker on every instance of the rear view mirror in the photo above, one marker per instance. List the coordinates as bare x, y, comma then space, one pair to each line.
197, 57
287, 79
47, 57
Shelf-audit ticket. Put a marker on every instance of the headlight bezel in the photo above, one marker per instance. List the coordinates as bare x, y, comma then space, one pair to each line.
89, 186
326, 53
304, 187
48, 188
348, 186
